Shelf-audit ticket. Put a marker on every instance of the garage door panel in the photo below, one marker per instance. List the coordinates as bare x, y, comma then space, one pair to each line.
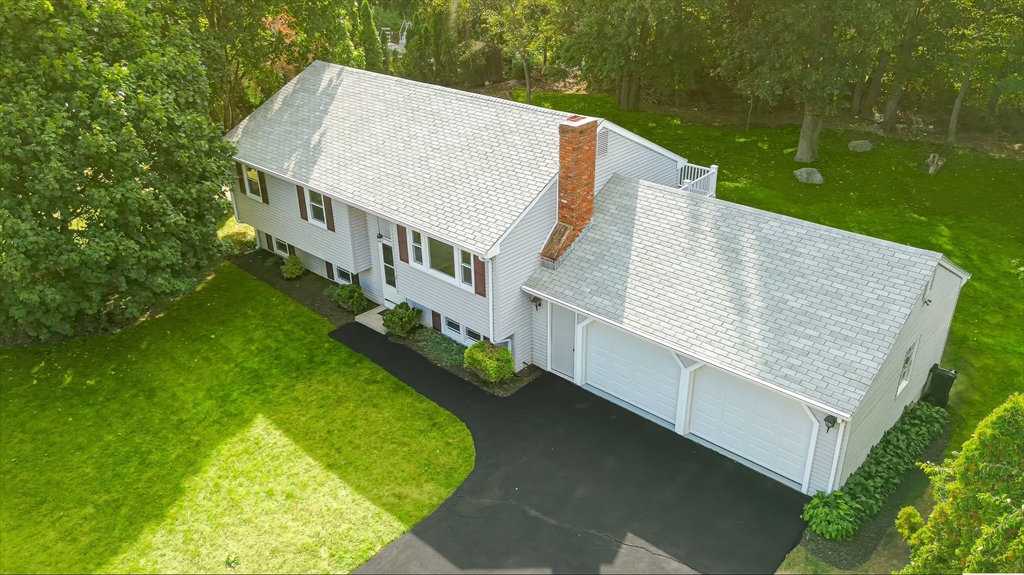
632, 369
761, 426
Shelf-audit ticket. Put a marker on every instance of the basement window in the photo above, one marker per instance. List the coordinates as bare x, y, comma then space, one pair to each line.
280, 247
342, 275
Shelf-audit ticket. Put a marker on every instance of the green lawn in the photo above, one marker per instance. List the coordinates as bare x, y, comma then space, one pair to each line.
228, 426
972, 211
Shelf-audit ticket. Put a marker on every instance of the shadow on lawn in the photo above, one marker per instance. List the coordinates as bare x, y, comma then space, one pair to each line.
99, 436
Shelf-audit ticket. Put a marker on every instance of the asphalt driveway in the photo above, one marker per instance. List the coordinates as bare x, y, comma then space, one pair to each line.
568, 482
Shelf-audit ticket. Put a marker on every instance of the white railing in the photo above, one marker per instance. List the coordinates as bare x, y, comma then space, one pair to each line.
698, 179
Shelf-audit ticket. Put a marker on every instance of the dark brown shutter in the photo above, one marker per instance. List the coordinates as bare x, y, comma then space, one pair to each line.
435, 318
329, 212
355, 279
241, 178
263, 188
302, 202
270, 241
479, 277
403, 246
291, 250
330, 271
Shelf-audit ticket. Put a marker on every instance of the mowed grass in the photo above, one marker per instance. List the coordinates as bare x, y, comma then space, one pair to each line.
230, 426
972, 211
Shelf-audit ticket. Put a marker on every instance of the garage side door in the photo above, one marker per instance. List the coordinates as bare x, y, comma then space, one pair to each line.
752, 422
633, 370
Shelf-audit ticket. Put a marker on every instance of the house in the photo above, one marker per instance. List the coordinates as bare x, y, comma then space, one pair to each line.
597, 255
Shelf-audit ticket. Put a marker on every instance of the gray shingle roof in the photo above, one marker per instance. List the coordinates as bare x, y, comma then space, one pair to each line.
808, 308
460, 165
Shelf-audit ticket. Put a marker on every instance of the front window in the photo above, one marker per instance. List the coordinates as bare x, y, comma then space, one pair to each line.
417, 247
343, 275
316, 207
467, 268
252, 183
442, 257
280, 246
454, 327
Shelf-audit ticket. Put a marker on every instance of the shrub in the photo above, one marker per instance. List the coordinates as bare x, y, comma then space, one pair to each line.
292, 267
978, 518
349, 297
438, 348
832, 516
839, 514
491, 362
402, 319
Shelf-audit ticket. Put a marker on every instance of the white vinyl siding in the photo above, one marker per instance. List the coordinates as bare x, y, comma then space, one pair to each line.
880, 408
539, 318
519, 258
369, 279
362, 246
281, 219
634, 160
824, 453
443, 296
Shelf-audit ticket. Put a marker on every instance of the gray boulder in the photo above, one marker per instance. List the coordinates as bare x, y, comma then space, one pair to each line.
809, 176
860, 146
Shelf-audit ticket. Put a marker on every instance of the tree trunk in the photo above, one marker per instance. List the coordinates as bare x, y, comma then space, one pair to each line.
855, 100
526, 72
810, 132
993, 100
629, 91
892, 105
964, 86
867, 107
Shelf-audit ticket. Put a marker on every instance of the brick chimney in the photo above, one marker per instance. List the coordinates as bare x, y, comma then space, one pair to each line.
577, 153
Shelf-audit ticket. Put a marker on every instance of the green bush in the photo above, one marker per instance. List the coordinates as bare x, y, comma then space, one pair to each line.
402, 319
292, 267
438, 348
839, 514
977, 523
350, 297
491, 362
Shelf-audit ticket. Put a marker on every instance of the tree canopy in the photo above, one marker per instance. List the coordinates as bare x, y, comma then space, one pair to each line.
977, 525
111, 171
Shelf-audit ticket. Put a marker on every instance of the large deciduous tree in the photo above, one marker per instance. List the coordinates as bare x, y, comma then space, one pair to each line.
808, 50
977, 525
519, 27
111, 172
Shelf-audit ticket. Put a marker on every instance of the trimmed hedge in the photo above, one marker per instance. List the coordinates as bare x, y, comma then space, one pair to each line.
292, 267
493, 363
840, 514
349, 297
402, 319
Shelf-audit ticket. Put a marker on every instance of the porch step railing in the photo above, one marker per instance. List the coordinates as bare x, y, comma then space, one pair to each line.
698, 179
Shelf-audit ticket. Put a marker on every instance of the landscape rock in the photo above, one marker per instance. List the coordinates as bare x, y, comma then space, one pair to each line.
861, 146
809, 176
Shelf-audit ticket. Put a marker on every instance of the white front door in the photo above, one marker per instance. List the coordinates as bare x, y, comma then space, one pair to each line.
632, 369
753, 422
390, 280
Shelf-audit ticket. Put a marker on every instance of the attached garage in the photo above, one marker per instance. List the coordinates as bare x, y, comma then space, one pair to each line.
634, 370
757, 424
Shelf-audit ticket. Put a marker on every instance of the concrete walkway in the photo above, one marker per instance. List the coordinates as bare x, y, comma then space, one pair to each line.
568, 482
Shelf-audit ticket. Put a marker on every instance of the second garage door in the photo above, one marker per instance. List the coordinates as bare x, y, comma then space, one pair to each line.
633, 370
755, 423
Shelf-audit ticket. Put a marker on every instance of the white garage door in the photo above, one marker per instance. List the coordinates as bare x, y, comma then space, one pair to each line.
751, 421
632, 370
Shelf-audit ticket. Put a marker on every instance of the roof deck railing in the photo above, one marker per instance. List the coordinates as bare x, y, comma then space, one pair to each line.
698, 179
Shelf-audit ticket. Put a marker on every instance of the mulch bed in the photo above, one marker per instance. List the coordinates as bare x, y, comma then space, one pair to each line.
855, 551
308, 289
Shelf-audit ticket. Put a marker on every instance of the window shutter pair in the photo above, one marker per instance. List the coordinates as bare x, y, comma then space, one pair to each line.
403, 245
240, 170
300, 192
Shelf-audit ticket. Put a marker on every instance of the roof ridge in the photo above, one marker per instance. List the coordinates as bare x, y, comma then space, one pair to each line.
746, 208
456, 91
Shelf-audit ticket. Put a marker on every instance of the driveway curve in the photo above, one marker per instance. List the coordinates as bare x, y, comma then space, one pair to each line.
565, 482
